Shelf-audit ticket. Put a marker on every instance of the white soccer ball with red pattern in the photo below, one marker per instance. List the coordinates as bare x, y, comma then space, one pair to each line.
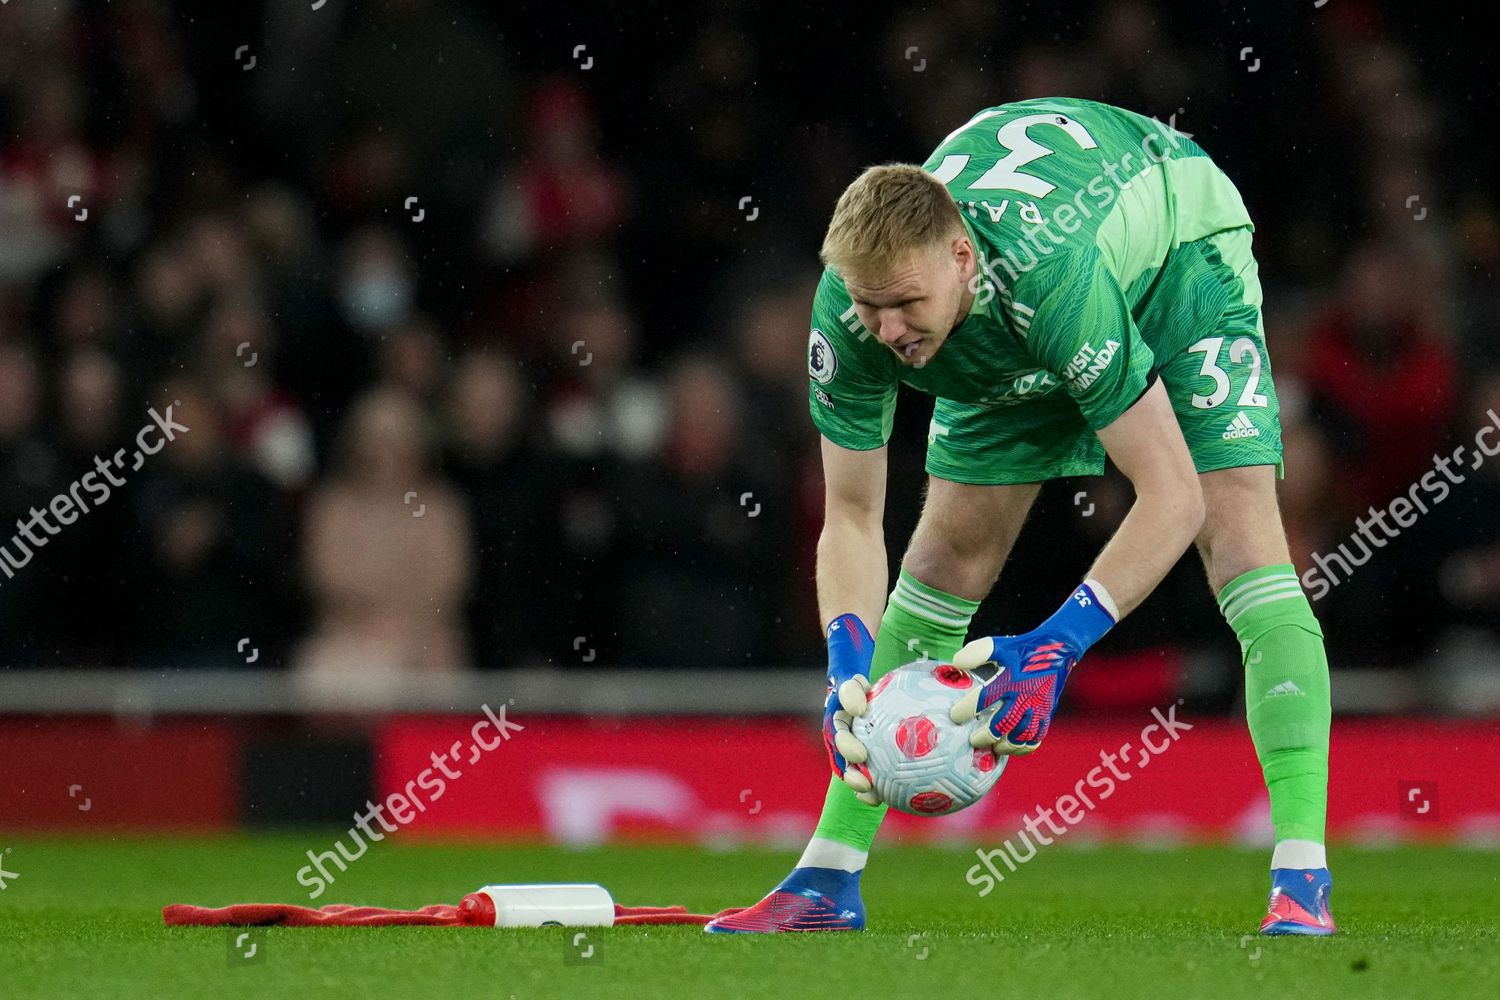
920, 759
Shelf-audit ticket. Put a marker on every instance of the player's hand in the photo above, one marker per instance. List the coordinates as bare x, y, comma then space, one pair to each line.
1022, 697
850, 650
1034, 667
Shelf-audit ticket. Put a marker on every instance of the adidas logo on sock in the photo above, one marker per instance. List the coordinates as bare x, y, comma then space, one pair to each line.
1285, 687
1241, 427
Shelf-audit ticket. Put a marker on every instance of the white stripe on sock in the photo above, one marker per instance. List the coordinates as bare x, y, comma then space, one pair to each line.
1232, 606
921, 606
1229, 596
1299, 854
824, 853
936, 603
1290, 594
905, 604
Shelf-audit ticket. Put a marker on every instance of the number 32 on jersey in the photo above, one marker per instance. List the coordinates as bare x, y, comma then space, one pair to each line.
1006, 174
1240, 350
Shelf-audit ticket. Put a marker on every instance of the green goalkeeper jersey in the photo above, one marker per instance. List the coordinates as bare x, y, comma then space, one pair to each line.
1073, 208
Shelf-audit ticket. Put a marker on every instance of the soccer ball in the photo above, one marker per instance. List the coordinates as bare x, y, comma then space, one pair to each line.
920, 760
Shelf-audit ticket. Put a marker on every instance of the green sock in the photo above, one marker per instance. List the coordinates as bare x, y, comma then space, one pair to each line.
1286, 694
919, 621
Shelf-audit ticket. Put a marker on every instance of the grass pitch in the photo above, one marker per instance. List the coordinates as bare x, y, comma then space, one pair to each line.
83, 919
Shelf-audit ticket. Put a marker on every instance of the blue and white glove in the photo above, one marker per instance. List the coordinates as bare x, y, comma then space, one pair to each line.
850, 650
1034, 667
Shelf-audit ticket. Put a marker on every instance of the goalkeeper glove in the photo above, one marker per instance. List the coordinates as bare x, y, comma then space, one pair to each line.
850, 650
1034, 667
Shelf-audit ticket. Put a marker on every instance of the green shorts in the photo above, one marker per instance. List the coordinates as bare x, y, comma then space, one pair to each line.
1202, 321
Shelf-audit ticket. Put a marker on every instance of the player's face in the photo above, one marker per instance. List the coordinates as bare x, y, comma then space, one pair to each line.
914, 304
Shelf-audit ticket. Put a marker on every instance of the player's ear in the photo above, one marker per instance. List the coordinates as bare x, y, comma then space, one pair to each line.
962, 251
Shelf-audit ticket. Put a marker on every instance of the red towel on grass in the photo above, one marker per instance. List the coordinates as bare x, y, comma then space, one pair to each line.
343, 915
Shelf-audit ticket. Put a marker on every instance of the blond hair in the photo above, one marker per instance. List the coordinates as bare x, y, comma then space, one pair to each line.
888, 210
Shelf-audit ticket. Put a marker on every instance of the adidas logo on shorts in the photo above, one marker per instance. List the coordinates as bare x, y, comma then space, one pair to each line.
1241, 427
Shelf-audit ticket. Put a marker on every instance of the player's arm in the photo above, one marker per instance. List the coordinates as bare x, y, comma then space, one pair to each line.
1078, 325
852, 398
851, 567
851, 574
1146, 444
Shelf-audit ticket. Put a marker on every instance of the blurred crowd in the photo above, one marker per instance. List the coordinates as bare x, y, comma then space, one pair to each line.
488, 325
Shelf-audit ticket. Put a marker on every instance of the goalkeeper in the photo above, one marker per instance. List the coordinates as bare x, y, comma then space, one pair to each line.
1071, 281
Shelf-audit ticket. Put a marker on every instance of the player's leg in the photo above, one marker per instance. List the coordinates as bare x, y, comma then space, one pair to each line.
1221, 389
985, 464
960, 543
1287, 700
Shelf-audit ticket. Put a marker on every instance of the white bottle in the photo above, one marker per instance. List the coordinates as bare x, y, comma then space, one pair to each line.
557, 905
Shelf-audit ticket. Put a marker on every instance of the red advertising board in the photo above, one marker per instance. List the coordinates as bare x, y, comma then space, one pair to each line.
95, 775
725, 781
702, 780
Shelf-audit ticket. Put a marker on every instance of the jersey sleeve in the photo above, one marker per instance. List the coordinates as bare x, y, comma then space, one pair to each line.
1077, 325
851, 386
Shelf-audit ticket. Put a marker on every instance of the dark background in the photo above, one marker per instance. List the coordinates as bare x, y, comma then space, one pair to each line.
574, 215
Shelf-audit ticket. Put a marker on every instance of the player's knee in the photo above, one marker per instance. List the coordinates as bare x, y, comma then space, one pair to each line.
953, 563
1231, 555
1241, 528
965, 534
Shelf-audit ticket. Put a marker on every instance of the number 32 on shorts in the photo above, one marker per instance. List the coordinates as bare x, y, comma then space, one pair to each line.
1241, 350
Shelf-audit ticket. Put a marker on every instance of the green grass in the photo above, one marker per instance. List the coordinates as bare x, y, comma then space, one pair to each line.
83, 919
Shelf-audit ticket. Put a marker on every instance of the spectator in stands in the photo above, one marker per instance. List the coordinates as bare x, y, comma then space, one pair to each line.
1378, 366
413, 358
28, 463
216, 542
770, 341
562, 193
602, 404
169, 302
80, 566
387, 555
1469, 573
86, 312
264, 423
376, 283
29, 473
518, 604
702, 531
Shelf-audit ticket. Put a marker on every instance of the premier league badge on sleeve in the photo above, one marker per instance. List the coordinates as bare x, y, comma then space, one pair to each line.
822, 363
